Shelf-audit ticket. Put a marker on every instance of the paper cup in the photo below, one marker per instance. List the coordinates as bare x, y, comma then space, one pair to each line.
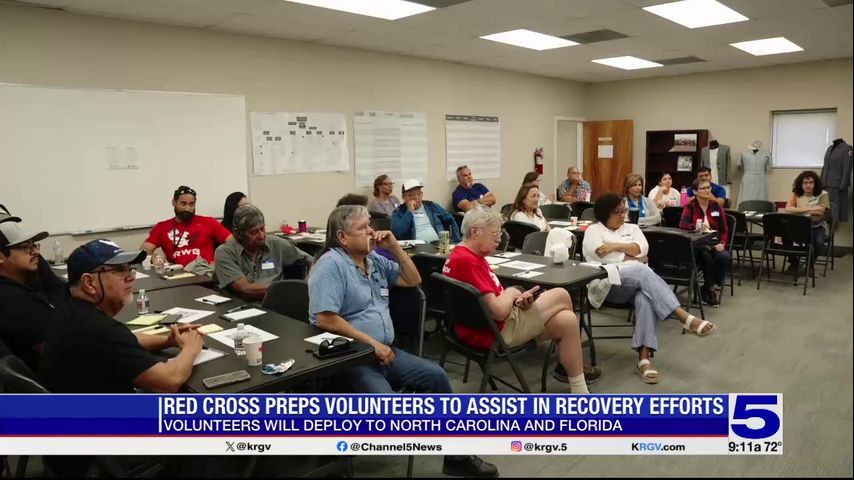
254, 350
573, 220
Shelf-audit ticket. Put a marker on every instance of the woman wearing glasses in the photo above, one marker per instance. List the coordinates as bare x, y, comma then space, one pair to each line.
612, 240
713, 258
383, 201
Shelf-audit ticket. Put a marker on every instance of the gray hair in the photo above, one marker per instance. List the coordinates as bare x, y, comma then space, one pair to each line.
479, 217
341, 219
246, 218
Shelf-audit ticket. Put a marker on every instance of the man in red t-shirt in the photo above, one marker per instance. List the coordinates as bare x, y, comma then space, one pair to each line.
519, 317
188, 235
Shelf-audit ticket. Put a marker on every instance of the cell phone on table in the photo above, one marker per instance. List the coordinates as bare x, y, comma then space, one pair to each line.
170, 319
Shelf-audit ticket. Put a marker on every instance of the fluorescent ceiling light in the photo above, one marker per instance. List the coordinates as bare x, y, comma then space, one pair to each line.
627, 63
387, 9
697, 13
528, 39
768, 46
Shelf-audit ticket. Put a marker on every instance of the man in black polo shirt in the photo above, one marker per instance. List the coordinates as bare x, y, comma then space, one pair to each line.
25, 309
87, 351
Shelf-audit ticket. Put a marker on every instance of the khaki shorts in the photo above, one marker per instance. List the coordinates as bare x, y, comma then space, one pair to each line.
522, 326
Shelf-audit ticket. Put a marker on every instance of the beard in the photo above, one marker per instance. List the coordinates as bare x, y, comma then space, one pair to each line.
185, 216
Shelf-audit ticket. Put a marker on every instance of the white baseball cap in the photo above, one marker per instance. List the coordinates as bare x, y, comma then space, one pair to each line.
12, 234
410, 184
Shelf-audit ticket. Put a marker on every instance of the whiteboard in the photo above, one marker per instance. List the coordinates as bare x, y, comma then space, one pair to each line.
389, 143
475, 141
76, 160
289, 142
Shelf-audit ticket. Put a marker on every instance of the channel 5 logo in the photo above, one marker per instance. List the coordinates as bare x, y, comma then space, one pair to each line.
516, 446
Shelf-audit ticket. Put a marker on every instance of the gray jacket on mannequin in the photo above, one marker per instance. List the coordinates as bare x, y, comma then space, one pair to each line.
723, 163
836, 172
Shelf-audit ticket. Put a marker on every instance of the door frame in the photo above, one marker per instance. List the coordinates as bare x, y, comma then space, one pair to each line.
579, 146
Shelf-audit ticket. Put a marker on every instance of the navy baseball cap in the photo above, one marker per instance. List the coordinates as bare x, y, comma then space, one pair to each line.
89, 256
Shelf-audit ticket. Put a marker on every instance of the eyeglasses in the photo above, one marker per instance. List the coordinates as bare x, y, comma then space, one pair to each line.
621, 210
336, 342
387, 184
707, 187
493, 234
126, 272
28, 247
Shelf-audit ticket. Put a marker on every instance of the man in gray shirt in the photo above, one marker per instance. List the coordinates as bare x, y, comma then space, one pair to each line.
250, 261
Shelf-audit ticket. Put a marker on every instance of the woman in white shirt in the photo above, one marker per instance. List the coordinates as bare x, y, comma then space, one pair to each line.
526, 207
612, 240
664, 195
633, 190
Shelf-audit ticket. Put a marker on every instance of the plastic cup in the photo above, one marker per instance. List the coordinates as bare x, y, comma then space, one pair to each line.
254, 350
573, 220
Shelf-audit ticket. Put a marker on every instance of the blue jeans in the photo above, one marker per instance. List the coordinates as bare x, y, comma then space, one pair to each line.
406, 370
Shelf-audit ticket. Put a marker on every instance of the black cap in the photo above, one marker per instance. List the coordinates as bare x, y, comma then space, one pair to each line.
89, 256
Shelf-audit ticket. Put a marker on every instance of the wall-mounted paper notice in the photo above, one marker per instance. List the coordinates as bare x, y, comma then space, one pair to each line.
606, 151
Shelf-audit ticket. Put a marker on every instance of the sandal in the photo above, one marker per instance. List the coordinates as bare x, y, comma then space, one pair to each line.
700, 331
650, 375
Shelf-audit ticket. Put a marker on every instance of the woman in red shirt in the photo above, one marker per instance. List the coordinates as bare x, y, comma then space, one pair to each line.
713, 258
519, 317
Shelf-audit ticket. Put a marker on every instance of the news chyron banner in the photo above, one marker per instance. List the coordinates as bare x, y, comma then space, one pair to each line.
494, 424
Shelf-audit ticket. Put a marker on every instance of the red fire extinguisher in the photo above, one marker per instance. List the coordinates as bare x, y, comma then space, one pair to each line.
538, 160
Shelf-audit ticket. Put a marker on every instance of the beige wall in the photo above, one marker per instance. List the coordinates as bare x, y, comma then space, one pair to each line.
734, 106
46, 47
567, 148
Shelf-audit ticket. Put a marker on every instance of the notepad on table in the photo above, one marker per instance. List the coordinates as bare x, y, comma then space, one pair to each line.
146, 320
177, 276
153, 330
243, 314
527, 274
213, 299
209, 328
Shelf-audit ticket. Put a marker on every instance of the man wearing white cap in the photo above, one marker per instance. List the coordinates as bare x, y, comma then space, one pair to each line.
418, 219
25, 309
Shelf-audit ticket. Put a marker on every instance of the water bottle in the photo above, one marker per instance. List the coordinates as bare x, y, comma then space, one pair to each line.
683, 198
698, 228
57, 253
142, 302
238, 337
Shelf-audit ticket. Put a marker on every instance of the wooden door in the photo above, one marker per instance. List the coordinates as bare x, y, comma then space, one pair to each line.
603, 139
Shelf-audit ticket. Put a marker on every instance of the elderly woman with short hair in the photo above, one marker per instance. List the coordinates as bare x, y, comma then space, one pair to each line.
519, 317
612, 240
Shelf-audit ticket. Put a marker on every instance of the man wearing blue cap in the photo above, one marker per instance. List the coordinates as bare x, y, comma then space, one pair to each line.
87, 351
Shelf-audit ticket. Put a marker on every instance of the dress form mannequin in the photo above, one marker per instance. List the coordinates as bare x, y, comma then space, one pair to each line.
717, 157
836, 175
755, 164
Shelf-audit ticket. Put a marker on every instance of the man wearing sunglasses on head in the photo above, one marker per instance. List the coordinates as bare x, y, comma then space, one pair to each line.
25, 307
87, 351
186, 236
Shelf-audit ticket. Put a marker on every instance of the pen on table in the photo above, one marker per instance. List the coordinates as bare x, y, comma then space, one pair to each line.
232, 310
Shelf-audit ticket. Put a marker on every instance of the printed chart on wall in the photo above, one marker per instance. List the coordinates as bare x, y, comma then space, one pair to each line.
285, 142
475, 141
390, 143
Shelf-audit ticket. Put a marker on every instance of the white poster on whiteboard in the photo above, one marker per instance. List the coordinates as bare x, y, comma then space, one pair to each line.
389, 143
287, 142
475, 141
